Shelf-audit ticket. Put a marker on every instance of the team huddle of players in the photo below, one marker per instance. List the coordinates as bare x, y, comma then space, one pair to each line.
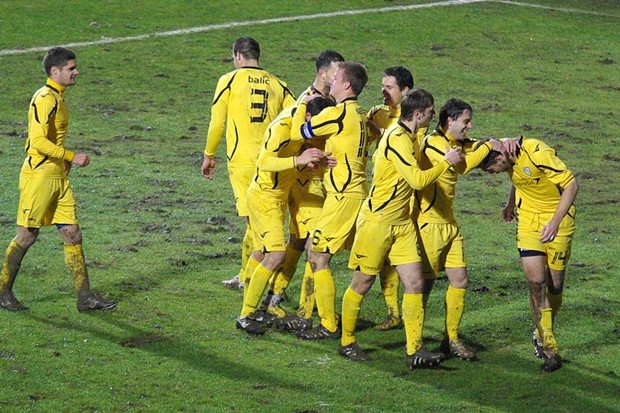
305, 161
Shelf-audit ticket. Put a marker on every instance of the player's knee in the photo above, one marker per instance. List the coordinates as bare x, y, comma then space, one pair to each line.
26, 237
71, 234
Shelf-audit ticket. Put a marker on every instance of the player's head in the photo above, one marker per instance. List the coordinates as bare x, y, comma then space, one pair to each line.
326, 59
396, 82
326, 65
495, 162
420, 104
247, 48
59, 64
348, 80
455, 118
316, 105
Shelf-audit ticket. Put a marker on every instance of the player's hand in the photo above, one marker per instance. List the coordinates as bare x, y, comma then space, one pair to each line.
310, 156
453, 155
309, 97
510, 147
328, 160
81, 160
208, 167
497, 145
549, 232
508, 213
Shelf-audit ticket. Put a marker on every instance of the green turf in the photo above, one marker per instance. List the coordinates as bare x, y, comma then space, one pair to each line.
159, 238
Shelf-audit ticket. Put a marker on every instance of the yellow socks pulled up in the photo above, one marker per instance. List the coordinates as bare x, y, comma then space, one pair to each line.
325, 291
12, 261
455, 305
254, 290
285, 275
306, 296
389, 286
351, 305
413, 318
74, 258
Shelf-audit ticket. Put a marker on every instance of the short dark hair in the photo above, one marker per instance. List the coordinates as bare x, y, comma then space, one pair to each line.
489, 160
248, 47
316, 105
326, 58
418, 99
355, 74
453, 108
402, 75
57, 57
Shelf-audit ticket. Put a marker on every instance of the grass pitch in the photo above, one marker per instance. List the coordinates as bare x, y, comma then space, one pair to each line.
159, 238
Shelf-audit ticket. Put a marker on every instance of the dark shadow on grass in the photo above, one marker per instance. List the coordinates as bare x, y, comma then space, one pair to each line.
167, 346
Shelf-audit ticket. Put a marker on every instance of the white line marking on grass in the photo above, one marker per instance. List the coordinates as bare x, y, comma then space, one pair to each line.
108, 40
560, 9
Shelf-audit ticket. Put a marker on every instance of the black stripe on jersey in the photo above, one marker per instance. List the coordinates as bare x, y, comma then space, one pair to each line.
338, 121
434, 197
389, 148
286, 89
282, 145
349, 178
383, 205
423, 226
39, 164
53, 88
275, 180
224, 89
541, 167
236, 144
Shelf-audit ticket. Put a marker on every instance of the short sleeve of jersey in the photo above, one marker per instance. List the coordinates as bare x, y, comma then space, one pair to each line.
545, 158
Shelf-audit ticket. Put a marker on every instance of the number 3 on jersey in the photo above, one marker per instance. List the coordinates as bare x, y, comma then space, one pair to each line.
262, 105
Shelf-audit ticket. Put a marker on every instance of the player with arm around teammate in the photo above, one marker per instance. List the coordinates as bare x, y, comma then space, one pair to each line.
542, 194
385, 230
344, 126
440, 236
267, 202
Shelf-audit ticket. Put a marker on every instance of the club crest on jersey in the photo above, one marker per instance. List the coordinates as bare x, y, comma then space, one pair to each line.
527, 170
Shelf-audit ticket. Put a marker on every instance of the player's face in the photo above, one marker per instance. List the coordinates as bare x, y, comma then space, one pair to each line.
66, 75
337, 86
426, 117
392, 94
458, 127
328, 74
501, 164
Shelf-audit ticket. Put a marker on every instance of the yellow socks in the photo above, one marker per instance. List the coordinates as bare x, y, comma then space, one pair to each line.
306, 296
12, 262
246, 251
325, 291
389, 286
74, 258
285, 275
351, 304
413, 318
253, 291
555, 301
455, 305
249, 270
546, 330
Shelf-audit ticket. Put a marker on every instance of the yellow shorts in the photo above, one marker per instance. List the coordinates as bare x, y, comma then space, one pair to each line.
529, 229
45, 201
267, 220
376, 241
442, 246
305, 203
240, 180
335, 226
